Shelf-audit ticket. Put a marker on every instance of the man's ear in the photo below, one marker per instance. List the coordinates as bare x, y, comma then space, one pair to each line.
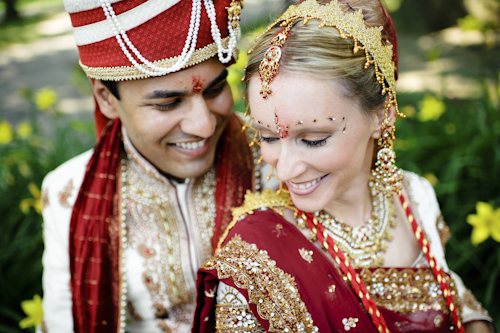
380, 117
105, 99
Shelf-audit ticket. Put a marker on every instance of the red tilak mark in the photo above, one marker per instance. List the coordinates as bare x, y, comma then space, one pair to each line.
282, 133
196, 84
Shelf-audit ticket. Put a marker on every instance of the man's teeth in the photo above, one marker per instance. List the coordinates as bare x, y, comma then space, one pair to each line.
191, 145
304, 186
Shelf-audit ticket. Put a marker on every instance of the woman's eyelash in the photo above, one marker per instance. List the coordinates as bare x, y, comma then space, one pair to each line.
315, 143
261, 138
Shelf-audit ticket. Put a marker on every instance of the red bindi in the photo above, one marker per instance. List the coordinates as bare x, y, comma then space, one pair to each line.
197, 85
282, 133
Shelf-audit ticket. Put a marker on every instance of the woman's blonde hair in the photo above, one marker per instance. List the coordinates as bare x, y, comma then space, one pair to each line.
320, 52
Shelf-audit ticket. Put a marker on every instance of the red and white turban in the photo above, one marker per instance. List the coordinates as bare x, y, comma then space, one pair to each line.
135, 39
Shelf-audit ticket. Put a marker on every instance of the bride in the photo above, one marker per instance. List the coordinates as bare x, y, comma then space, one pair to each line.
349, 242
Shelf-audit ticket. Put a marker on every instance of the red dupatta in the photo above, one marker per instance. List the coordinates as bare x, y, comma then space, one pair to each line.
94, 243
328, 298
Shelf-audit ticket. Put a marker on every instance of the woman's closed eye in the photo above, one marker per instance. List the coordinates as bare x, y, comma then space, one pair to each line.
267, 139
315, 143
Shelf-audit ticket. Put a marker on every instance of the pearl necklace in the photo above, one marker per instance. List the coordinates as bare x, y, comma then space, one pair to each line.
365, 244
147, 66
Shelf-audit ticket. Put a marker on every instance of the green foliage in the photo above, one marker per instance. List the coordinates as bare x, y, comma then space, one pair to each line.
459, 151
24, 160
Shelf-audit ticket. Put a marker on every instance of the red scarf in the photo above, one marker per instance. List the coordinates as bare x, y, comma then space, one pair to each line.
95, 247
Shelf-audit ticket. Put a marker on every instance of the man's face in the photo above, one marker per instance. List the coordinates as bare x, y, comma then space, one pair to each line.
176, 120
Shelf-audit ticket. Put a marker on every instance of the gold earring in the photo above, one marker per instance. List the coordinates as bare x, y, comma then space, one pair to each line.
386, 177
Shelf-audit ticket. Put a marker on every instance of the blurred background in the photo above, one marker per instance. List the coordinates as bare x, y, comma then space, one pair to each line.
448, 87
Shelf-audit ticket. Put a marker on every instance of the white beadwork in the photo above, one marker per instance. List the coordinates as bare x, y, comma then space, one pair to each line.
147, 66
123, 303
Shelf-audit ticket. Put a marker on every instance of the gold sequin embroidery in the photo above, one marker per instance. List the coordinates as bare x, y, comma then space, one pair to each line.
407, 290
232, 315
253, 270
306, 255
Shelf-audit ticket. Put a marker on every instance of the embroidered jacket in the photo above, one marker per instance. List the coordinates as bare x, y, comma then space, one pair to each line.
169, 234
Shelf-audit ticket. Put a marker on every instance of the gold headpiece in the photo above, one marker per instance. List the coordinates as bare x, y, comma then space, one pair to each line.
349, 25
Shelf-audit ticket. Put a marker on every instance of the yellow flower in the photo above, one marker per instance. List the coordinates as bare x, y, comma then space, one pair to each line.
32, 308
486, 223
431, 178
45, 98
431, 108
35, 202
24, 129
6, 132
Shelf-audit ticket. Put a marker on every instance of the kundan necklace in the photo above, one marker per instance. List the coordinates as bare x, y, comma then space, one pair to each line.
365, 244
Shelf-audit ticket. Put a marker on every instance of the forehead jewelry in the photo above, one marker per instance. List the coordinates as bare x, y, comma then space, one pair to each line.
282, 133
350, 25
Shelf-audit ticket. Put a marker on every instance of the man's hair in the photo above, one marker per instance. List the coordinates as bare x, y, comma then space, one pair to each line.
112, 87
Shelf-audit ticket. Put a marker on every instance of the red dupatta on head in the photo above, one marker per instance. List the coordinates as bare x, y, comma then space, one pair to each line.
95, 231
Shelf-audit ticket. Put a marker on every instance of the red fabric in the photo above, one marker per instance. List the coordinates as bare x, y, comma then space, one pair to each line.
313, 279
100, 120
94, 231
85, 17
95, 307
234, 175
160, 38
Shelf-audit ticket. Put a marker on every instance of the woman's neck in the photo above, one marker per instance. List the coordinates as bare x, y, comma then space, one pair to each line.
354, 205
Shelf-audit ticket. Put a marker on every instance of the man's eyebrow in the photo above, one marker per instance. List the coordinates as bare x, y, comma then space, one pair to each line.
158, 94
220, 78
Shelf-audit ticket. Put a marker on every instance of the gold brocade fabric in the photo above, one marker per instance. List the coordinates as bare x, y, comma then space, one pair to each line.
232, 315
253, 270
407, 290
153, 231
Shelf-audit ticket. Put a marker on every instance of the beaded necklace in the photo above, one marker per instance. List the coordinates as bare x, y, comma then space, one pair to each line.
365, 244
357, 283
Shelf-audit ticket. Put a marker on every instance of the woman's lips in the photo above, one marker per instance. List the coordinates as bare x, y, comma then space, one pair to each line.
305, 187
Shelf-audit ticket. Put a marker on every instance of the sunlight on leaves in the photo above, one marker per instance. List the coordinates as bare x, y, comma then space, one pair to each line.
469, 23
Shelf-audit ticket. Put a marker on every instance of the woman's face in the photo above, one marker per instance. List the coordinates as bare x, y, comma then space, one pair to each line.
318, 140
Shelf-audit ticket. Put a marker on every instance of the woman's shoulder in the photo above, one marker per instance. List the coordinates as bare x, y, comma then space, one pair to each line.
267, 199
260, 219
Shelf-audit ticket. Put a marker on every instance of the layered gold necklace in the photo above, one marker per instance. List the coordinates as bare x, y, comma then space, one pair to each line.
365, 244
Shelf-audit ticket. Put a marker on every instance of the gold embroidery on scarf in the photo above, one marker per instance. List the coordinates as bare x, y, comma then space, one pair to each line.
233, 315
407, 290
253, 270
253, 201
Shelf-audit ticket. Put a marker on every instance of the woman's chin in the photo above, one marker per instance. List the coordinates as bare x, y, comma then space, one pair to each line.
307, 204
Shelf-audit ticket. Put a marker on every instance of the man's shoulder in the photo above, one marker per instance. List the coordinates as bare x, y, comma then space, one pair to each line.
63, 183
72, 168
